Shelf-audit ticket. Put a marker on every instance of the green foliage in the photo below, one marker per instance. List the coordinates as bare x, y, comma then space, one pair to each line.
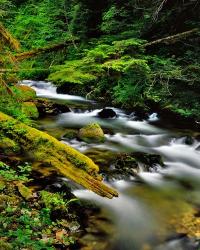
131, 87
70, 73
4, 7
21, 173
12, 105
52, 201
37, 24
55, 201
120, 18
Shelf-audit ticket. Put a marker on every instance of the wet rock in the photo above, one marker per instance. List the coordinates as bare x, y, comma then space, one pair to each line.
107, 113
189, 140
46, 107
103, 158
124, 167
91, 133
150, 161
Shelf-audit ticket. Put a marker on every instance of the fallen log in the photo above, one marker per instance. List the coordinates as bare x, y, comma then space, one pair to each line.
45, 149
46, 49
16, 70
172, 39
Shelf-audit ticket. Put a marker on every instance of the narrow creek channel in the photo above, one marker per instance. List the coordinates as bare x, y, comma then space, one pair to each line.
155, 208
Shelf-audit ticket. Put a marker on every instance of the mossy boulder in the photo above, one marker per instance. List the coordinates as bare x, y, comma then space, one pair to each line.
92, 133
25, 93
9, 146
30, 109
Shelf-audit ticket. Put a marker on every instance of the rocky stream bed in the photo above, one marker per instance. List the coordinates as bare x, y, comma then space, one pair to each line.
153, 166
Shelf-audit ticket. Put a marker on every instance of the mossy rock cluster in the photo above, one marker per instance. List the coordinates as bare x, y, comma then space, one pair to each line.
24, 93
30, 110
92, 133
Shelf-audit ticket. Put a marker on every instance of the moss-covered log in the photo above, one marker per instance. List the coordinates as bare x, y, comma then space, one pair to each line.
49, 151
38, 51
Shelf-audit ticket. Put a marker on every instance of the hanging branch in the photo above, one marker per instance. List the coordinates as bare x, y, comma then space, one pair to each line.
155, 16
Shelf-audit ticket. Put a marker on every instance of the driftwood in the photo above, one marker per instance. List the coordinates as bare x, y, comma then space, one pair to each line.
50, 152
172, 39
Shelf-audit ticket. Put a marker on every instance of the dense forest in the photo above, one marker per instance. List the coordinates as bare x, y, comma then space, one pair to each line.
142, 56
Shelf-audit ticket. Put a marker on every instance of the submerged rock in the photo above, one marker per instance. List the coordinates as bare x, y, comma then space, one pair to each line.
91, 133
70, 134
107, 113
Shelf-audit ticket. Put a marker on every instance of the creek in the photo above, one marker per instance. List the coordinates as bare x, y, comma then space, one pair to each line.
157, 208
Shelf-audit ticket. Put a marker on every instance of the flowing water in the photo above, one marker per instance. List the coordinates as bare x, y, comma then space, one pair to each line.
157, 208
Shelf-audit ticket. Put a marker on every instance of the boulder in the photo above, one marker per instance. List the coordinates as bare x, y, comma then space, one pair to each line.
107, 113
91, 133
